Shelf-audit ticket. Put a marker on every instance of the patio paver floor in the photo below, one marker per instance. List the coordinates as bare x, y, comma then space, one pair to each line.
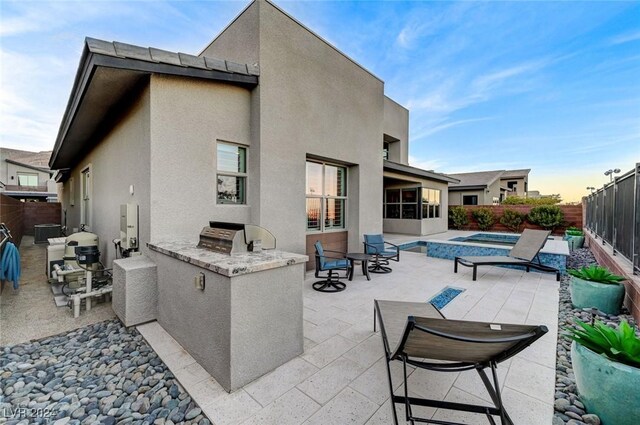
340, 378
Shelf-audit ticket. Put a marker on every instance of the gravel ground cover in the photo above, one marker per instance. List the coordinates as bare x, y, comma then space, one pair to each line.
569, 409
103, 373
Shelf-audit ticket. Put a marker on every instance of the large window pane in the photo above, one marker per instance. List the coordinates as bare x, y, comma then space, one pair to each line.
409, 211
232, 158
393, 196
313, 213
334, 214
27, 179
231, 190
392, 211
334, 181
409, 195
314, 179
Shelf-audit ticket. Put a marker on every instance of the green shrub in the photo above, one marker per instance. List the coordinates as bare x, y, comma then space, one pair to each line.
512, 219
518, 200
458, 217
484, 217
621, 345
546, 216
596, 273
574, 233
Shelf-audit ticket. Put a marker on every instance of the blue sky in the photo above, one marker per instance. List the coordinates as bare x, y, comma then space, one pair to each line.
551, 86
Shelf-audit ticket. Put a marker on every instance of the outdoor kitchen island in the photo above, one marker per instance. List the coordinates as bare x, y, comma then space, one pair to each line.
239, 315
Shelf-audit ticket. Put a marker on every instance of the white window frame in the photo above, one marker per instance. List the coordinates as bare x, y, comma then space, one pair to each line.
324, 197
244, 175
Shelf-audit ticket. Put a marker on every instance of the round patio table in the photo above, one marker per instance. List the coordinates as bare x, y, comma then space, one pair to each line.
352, 257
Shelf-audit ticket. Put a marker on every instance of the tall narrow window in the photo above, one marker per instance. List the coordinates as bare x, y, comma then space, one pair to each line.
385, 150
326, 193
430, 203
232, 173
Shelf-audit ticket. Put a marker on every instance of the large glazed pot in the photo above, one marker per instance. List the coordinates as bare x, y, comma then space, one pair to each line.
606, 297
575, 242
607, 388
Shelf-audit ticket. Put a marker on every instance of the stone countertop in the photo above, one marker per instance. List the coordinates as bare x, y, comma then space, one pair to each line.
227, 265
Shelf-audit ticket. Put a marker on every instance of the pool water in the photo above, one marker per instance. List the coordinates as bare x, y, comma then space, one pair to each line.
445, 296
420, 249
490, 239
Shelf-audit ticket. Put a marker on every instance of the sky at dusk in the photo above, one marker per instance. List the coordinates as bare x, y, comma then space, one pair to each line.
551, 86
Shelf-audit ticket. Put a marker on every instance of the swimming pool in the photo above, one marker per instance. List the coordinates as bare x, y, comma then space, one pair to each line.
490, 239
554, 253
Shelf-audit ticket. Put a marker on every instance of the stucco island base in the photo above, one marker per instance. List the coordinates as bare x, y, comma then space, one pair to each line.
238, 327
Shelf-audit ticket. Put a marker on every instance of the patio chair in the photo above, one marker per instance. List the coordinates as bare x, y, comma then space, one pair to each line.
417, 334
332, 264
382, 253
523, 253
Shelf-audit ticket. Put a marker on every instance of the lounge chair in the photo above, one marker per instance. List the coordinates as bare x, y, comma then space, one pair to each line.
417, 334
382, 253
331, 263
523, 253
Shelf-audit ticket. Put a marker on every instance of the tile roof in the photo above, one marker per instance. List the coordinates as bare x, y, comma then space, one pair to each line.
151, 54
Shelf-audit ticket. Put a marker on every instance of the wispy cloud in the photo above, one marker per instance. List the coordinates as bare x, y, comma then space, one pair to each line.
426, 164
430, 130
625, 38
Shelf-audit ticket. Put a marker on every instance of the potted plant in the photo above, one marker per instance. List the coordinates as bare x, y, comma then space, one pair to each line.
596, 286
575, 237
606, 364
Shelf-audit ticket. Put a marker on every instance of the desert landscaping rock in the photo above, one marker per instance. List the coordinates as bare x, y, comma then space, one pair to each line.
568, 408
100, 374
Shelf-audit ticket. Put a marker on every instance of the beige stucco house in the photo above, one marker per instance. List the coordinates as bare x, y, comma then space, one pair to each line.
269, 125
488, 187
25, 176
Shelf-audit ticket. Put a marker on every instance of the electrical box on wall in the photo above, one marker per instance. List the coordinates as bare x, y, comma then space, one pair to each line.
129, 226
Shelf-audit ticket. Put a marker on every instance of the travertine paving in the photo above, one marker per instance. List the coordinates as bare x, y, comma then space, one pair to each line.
341, 378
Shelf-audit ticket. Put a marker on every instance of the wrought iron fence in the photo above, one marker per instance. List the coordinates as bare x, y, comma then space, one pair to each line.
613, 214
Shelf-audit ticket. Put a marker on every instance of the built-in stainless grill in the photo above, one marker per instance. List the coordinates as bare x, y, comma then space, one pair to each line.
235, 238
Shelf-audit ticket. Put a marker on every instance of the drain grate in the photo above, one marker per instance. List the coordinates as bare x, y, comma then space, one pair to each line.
445, 296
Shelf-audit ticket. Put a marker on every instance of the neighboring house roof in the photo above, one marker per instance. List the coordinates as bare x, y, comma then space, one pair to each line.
477, 180
418, 172
36, 159
33, 167
109, 72
511, 174
484, 179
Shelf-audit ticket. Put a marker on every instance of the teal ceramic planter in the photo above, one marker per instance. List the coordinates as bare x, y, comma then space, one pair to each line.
575, 242
606, 297
607, 388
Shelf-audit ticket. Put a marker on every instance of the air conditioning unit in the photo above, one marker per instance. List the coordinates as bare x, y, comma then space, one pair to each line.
42, 232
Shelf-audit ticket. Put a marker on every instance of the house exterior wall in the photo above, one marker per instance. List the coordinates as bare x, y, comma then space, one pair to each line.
520, 186
426, 226
121, 159
312, 101
455, 197
188, 117
11, 170
396, 124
